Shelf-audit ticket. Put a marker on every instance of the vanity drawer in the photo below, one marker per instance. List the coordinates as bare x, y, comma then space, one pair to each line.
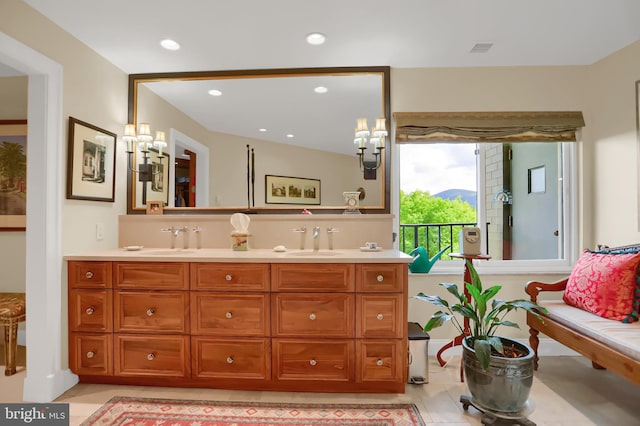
91, 310
380, 360
230, 314
380, 277
157, 312
324, 360
89, 274
380, 316
313, 314
231, 358
90, 354
312, 277
151, 275
160, 356
230, 276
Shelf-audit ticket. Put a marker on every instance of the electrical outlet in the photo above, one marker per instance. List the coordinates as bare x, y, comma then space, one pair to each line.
99, 231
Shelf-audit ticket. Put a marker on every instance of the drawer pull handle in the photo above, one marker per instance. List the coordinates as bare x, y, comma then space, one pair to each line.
229, 315
379, 362
313, 361
90, 310
380, 316
312, 316
151, 356
228, 277
91, 354
89, 275
380, 278
229, 360
150, 312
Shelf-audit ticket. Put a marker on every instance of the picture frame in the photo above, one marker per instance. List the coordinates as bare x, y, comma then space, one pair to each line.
291, 190
91, 160
13, 183
155, 207
153, 187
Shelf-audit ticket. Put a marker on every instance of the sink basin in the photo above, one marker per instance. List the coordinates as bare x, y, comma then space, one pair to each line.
170, 252
315, 253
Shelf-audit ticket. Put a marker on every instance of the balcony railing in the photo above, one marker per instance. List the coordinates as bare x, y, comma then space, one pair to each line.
433, 236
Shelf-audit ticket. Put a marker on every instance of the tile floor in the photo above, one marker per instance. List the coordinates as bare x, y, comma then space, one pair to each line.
566, 392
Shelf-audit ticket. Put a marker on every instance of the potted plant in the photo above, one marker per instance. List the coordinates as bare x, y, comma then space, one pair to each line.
499, 370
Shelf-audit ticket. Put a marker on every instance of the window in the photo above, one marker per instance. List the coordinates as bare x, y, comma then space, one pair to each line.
525, 190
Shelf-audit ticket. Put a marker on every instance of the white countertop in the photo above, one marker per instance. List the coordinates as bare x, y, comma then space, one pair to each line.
253, 255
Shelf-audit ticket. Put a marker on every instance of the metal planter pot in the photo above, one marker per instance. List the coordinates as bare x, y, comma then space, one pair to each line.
506, 385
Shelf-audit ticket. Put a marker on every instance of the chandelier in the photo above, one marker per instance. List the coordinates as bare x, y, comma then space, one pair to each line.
145, 143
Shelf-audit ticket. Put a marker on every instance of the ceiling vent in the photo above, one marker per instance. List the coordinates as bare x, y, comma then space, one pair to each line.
481, 47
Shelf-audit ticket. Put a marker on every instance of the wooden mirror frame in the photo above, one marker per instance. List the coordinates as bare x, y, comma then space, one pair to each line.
135, 79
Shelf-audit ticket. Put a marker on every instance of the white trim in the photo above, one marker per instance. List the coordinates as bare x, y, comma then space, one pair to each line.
45, 379
202, 167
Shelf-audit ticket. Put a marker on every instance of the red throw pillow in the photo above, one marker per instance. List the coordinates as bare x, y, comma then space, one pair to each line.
603, 284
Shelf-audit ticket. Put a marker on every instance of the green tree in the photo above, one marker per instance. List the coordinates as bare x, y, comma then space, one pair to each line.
13, 162
419, 207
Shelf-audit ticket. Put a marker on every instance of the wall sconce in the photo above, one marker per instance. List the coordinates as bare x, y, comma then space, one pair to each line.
145, 142
376, 137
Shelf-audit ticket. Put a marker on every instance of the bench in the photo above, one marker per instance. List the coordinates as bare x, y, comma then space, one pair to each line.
609, 344
12, 312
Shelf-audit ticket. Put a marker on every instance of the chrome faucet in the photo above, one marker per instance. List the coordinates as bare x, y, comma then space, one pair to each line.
198, 231
316, 238
302, 231
330, 231
174, 234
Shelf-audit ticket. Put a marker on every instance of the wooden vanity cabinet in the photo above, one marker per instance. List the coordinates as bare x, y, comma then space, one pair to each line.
323, 327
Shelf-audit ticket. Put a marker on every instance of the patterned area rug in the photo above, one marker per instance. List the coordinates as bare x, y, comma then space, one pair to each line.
173, 412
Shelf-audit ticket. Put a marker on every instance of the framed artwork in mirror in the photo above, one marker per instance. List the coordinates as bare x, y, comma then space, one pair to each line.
13, 172
154, 186
90, 162
291, 190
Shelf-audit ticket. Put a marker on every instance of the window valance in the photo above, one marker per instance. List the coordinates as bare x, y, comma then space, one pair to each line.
490, 126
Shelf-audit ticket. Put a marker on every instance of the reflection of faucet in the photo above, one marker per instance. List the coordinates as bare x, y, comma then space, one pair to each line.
330, 231
316, 239
302, 231
198, 231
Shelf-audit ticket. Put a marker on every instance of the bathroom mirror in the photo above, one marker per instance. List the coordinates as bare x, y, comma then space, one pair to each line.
263, 126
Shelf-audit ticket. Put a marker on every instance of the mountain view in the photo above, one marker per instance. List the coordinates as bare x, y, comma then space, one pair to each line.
464, 194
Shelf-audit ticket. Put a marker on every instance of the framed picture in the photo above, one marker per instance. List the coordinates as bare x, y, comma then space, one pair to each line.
90, 162
154, 184
13, 175
291, 190
155, 207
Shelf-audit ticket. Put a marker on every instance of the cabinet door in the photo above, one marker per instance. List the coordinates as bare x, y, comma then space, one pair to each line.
91, 354
89, 274
318, 360
231, 358
379, 316
312, 277
230, 314
381, 360
152, 356
230, 276
157, 312
91, 310
313, 314
381, 277
151, 275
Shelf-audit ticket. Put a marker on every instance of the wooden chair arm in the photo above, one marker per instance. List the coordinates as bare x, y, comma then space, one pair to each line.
533, 288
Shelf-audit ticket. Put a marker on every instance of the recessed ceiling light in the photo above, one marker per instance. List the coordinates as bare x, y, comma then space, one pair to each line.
481, 47
262, 130
316, 38
321, 89
215, 92
170, 44
289, 135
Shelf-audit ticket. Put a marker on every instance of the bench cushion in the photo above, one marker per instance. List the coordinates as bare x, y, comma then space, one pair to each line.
624, 338
604, 284
12, 307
